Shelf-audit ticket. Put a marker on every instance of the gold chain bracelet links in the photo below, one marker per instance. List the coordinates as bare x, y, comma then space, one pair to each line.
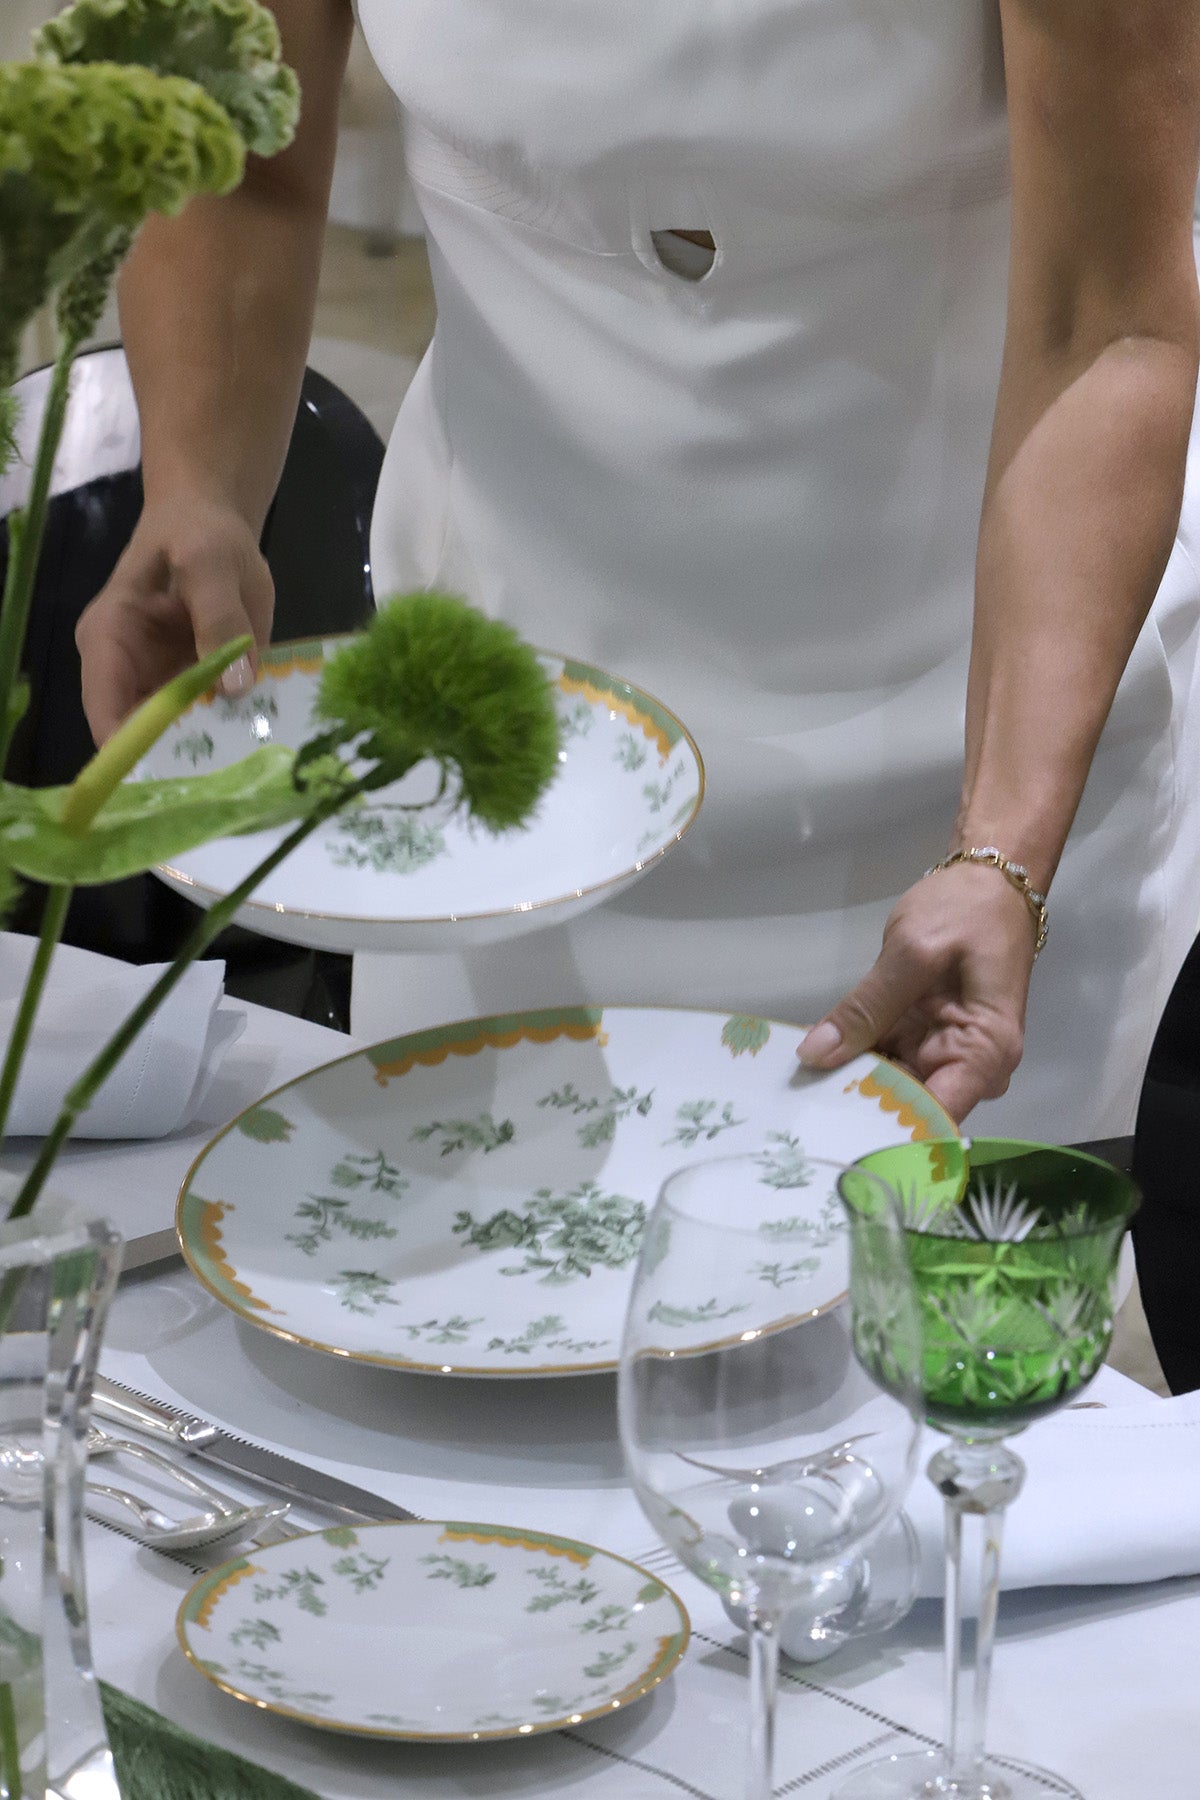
1016, 874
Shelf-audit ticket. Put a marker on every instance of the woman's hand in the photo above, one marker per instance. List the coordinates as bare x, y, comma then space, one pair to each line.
191, 578
946, 996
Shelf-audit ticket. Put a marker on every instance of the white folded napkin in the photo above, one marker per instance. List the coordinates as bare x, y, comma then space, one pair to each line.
1111, 1495
163, 1077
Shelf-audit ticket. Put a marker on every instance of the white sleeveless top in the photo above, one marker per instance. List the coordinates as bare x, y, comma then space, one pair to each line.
756, 494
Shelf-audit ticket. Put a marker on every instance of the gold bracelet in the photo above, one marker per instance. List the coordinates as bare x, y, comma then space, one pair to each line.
1016, 874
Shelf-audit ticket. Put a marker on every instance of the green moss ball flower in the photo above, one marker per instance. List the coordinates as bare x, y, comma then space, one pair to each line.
432, 677
231, 48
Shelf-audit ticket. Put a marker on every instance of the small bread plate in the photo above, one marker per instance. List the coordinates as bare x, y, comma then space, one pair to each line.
443, 1633
397, 874
470, 1200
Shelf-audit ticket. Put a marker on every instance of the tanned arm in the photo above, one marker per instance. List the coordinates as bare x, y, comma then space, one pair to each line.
1082, 504
216, 313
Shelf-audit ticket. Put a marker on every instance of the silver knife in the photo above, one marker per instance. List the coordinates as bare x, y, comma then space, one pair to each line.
212, 1444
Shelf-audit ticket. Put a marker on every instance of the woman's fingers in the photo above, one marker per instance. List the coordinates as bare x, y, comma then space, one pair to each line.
191, 579
946, 994
900, 979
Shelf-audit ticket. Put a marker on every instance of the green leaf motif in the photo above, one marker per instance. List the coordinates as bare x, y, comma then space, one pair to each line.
781, 1275
557, 1592
546, 1333
743, 1034
564, 1236
326, 1213
197, 747
258, 1632
455, 1330
247, 709
387, 843
363, 1572
608, 1660
695, 1120
658, 793
629, 752
784, 1162
575, 721
606, 1618
663, 1313
265, 1126
341, 1537
363, 1291
480, 1133
357, 1169
299, 1585
462, 1573
607, 1111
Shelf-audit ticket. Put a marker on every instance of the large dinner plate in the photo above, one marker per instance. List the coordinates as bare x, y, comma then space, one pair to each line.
383, 876
470, 1200
438, 1632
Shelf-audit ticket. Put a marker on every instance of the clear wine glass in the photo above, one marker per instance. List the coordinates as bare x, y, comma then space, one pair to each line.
760, 1444
1014, 1250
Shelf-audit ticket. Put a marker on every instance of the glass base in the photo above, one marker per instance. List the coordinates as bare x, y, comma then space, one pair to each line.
920, 1777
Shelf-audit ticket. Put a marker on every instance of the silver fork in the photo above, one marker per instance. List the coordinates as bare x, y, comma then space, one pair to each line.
222, 1517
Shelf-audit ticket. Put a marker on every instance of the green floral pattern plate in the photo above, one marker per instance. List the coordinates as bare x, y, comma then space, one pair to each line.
393, 874
441, 1632
470, 1200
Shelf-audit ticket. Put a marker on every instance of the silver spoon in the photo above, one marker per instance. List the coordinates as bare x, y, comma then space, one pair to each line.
159, 1532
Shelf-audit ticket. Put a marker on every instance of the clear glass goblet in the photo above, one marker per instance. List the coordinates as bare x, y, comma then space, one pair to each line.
1014, 1249
759, 1444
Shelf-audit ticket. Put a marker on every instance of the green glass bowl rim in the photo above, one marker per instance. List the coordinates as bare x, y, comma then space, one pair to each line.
1121, 1216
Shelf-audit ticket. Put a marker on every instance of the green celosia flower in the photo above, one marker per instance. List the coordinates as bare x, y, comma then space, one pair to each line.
231, 48
432, 677
85, 154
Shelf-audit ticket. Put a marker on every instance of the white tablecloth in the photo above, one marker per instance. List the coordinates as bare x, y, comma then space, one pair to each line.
1097, 1684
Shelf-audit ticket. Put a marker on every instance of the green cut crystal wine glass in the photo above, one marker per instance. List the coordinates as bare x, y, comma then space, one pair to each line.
1013, 1249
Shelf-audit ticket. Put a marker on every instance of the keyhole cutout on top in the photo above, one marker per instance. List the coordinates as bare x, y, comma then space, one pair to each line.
687, 254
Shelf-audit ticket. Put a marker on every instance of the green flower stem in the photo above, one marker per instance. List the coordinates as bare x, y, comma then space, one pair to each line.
11, 1785
54, 917
99, 778
26, 545
79, 1097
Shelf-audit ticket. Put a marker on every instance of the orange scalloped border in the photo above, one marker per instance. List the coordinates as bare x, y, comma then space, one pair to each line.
204, 1611
212, 1212
891, 1102
598, 696
450, 1536
436, 1054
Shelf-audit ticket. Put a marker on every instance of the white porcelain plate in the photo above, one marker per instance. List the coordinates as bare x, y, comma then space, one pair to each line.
451, 1633
388, 877
470, 1200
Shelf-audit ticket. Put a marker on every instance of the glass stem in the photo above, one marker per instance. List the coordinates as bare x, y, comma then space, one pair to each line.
764, 1681
979, 1480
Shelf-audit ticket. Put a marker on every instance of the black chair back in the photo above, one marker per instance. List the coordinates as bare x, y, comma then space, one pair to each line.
317, 544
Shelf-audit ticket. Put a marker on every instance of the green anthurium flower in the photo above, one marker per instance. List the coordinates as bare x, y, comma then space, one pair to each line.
148, 822
231, 48
433, 677
98, 778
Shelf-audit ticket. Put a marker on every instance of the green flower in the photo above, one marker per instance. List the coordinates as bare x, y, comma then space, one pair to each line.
432, 677
230, 48
85, 155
